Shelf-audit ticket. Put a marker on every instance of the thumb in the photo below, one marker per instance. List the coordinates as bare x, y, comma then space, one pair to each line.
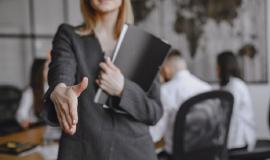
79, 88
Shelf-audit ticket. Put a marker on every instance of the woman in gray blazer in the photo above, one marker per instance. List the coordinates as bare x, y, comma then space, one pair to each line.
77, 69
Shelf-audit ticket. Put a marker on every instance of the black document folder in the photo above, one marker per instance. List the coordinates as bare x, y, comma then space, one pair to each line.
138, 55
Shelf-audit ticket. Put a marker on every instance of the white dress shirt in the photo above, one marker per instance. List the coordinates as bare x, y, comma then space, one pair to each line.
173, 93
242, 129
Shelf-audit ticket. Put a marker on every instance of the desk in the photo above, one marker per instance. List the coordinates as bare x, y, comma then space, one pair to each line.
159, 146
33, 136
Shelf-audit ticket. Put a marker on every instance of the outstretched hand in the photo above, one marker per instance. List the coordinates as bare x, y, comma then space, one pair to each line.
65, 99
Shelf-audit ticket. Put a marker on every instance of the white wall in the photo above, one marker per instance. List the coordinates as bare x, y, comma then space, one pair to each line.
260, 94
74, 16
16, 55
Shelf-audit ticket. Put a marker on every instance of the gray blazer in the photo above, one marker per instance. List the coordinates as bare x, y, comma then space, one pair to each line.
102, 134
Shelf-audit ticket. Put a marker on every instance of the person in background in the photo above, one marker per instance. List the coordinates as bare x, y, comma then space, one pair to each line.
179, 85
31, 102
242, 133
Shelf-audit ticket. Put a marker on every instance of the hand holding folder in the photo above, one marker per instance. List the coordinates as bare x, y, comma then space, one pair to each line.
111, 78
138, 55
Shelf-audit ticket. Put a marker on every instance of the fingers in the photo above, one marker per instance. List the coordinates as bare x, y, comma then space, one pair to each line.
104, 85
108, 69
58, 114
65, 123
84, 83
73, 110
103, 82
110, 64
66, 114
79, 88
105, 88
64, 117
105, 67
73, 101
61, 118
73, 130
103, 76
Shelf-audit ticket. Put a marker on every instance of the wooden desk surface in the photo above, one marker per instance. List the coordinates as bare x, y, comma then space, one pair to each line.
159, 146
36, 136
33, 136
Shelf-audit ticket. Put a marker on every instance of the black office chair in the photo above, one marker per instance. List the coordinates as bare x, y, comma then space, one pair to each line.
201, 127
9, 101
261, 151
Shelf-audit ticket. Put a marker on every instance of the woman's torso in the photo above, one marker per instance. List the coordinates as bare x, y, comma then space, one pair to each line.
101, 133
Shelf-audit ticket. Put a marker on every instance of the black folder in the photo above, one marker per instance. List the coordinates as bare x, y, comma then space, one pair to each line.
138, 55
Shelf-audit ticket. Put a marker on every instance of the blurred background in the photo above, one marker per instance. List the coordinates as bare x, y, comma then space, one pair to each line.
200, 29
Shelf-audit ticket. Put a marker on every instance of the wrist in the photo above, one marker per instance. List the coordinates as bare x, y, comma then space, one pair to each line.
120, 93
56, 88
60, 85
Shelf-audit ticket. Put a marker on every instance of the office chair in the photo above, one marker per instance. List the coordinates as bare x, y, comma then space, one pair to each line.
261, 151
9, 102
201, 127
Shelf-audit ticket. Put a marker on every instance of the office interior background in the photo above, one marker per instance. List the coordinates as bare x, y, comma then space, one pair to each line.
28, 26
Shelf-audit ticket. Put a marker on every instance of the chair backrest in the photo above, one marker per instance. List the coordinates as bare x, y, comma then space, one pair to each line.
9, 101
201, 127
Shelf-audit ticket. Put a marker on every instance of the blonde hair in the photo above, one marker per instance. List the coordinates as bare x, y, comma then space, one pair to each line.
91, 18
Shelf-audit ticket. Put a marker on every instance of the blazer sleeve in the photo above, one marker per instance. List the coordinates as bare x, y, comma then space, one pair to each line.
62, 69
142, 106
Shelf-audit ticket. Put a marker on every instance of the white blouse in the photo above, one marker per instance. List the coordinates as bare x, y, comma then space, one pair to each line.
242, 128
26, 110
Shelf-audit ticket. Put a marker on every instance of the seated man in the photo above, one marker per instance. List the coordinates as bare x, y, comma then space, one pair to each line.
179, 85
